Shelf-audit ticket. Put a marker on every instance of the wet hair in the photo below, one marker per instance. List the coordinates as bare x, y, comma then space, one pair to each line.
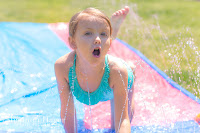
91, 12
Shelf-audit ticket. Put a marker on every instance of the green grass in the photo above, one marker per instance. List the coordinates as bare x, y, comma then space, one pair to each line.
41, 11
177, 23
165, 31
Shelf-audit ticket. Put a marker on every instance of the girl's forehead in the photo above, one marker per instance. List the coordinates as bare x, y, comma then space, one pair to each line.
92, 21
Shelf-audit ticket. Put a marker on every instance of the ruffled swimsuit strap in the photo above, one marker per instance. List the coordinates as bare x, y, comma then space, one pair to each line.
72, 75
131, 76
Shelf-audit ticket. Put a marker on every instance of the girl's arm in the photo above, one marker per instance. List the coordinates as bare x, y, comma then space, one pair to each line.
122, 122
67, 113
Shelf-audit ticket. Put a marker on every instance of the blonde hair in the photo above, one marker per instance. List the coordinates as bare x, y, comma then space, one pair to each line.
89, 11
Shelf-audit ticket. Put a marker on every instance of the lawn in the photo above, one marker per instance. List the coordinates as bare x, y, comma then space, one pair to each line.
165, 31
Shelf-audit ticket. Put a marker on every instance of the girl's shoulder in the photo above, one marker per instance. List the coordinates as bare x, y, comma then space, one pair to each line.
63, 64
116, 63
118, 69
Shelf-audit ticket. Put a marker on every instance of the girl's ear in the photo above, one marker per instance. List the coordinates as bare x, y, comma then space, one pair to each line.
72, 43
110, 42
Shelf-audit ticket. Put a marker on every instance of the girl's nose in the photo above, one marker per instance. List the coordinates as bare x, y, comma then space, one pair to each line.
97, 40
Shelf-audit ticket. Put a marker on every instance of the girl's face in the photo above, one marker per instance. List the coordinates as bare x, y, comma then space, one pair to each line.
92, 39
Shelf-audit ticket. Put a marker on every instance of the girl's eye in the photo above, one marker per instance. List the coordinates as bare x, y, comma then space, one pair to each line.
103, 34
88, 33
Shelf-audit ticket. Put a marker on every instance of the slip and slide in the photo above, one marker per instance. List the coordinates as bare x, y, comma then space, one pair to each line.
29, 101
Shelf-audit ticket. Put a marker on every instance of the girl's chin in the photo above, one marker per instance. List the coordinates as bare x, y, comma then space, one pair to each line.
97, 60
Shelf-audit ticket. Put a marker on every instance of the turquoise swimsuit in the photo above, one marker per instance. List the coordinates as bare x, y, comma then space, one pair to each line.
103, 92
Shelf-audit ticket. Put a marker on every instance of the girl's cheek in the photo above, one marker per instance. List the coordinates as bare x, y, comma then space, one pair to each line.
86, 38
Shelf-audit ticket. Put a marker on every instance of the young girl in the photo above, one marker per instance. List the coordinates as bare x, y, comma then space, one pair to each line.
90, 74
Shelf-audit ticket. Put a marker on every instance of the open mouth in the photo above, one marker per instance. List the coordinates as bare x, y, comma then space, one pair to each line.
96, 52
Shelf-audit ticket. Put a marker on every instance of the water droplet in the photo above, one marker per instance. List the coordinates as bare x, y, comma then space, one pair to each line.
24, 109
1, 95
13, 90
34, 88
10, 130
31, 75
53, 78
